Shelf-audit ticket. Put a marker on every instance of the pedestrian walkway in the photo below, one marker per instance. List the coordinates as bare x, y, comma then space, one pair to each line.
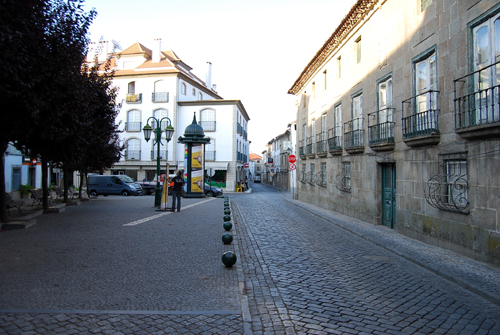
477, 277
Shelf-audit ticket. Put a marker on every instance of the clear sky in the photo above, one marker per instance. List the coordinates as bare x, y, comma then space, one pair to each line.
258, 48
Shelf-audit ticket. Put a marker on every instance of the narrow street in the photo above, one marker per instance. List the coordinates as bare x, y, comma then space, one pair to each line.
115, 266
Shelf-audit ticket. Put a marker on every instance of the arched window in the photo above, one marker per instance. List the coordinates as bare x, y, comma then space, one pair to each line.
131, 95
133, 150
160, 93
131, 87
207, 119
183, 88
200, 96
160, 114
133, 120
210, 150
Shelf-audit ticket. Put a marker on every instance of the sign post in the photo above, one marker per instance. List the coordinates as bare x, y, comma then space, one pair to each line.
292, 160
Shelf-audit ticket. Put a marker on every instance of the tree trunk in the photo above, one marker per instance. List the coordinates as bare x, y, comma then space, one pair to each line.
4, 215
45, 188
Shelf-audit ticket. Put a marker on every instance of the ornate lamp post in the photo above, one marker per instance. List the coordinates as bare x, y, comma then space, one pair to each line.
169, 131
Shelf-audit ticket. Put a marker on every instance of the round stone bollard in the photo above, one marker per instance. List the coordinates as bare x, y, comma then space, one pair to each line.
227, 226
229, 258
227, 238
227, 218
227, 212
226, 207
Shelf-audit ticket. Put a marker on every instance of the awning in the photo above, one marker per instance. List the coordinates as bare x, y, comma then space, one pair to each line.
216, 165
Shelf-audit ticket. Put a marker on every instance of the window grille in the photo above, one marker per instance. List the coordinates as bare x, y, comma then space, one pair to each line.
343, 179
448, 189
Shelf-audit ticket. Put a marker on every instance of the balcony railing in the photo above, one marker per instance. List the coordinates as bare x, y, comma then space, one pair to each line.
163, 154
321, 143
301, 148
209, 155
320, 178
335, 139
353, 133
159, 97
343, 182
132, 154
310, 147
133, 126
422, 115
381, 126
208, 125
134, 98
477, 99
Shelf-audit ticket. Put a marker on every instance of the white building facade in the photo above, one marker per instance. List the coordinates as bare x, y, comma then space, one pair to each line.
155, 83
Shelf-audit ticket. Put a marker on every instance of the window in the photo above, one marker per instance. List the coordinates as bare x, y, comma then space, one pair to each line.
210, 150
16, 178
131, 87
160, 93
323, 174
347, 176
133, 121
355, 136
339, 67
384, 115
426, 93
133, 149
194, 92
304, 99
303, 174
338, 120
207, 119
160, 114
324, 80
313, 88
357, 45
486, 53
183, 88
313, 135
200, 96
312, 166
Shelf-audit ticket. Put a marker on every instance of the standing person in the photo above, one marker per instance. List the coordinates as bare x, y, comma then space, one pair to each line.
177, 190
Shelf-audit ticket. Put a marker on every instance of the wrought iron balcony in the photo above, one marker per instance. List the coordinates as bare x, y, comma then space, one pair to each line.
159, 97
132, 154
210, 155
163, 154
353, 134
301, 148
421, 120
343, 182
477, 103
335, 140
321, 144
320, 178
208, 125
310, 147
381, 129
134, 98
133, 126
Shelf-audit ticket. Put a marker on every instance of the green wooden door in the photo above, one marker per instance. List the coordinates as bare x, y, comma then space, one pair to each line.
389, 195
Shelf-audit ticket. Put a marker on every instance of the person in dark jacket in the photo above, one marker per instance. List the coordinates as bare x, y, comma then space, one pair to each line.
177, 190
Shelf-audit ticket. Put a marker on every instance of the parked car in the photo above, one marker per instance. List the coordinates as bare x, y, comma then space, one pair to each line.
212, 191
113, 185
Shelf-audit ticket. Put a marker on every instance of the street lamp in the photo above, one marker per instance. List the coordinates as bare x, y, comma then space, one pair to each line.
169, 131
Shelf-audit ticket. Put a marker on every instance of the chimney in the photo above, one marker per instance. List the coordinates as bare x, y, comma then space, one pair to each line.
156, 53
208, 80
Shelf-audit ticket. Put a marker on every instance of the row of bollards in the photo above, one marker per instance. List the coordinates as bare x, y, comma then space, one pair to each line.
229, 257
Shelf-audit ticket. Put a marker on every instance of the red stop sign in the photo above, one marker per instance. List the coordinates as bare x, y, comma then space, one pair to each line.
292, 159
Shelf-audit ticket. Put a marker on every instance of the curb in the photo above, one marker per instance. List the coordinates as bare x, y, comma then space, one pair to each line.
442, 271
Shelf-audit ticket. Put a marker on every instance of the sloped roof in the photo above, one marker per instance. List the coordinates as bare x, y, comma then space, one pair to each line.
136, 48
355, 15
253, 156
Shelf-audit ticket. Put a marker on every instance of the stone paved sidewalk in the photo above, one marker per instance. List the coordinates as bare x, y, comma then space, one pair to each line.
477, 277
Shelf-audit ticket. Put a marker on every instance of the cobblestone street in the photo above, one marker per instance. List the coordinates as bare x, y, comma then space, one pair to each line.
307, 275
115, 266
